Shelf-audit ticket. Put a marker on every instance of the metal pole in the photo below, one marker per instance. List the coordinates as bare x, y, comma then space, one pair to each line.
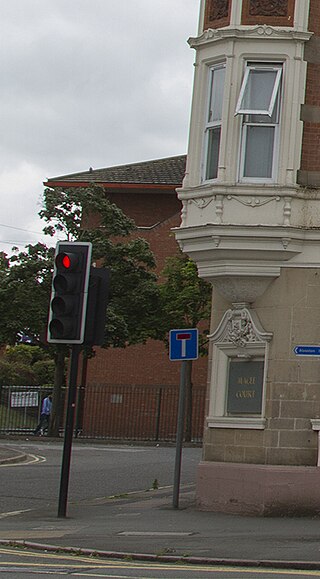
180, 432
68, 431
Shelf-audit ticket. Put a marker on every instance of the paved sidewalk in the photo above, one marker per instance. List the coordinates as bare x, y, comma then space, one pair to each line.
145, 525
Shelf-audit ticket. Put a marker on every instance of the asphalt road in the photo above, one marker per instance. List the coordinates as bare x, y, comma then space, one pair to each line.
17, 564
96, 471
141, 527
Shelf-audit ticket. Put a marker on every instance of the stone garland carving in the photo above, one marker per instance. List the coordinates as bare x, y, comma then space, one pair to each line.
201, 202
253, 201
218, 9
268, 8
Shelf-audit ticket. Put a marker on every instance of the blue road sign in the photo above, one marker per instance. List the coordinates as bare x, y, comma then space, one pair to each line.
183, 344
307, 350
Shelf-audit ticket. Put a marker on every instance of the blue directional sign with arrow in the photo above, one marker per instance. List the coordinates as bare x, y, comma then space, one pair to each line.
307, 350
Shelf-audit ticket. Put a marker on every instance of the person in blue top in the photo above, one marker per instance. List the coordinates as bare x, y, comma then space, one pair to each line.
45, 415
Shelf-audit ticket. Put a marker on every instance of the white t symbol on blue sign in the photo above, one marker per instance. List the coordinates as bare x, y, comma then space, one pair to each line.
183, 344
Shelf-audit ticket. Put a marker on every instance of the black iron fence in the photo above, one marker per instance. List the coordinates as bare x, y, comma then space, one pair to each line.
110, 412
20, 408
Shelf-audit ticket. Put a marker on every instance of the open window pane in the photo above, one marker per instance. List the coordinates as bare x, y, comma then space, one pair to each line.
259, 152
216, 94
213, 145
259, 91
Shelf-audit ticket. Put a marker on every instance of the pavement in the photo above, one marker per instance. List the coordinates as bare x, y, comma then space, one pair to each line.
145, 526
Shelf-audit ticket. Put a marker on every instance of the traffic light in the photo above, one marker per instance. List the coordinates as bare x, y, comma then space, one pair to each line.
69, 293
98, 293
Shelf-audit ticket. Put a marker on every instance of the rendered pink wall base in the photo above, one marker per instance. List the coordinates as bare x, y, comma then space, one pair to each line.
249, 489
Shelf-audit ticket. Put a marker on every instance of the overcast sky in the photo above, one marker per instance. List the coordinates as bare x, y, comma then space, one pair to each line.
87, 83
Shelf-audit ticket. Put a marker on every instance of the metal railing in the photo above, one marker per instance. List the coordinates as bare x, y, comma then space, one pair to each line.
20, 408
109, 412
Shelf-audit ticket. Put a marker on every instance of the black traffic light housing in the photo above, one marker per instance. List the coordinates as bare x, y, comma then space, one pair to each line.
98, 294
69, 293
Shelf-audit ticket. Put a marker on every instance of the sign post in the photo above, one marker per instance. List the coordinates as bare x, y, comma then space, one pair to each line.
183, 346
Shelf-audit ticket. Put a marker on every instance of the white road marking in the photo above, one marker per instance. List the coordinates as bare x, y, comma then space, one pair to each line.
33, 458
13, 513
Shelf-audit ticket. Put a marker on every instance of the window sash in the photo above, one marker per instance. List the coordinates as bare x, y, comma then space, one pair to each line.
213, 122
216, 94
257, 100
213, 147
258, 151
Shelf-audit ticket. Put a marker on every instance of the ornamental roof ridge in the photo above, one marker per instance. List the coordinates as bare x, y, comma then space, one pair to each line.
243, 32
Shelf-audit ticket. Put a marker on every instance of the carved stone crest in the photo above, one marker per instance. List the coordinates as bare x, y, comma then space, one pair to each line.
268, 8
240, 327
217, 13
217, 9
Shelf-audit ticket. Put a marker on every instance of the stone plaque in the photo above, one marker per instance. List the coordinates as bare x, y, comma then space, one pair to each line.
245, 387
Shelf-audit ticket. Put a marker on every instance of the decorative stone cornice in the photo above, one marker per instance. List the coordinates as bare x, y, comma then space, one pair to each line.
241, 261
245, 32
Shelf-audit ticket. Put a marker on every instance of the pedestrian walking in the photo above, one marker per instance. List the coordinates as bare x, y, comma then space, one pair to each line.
45, 415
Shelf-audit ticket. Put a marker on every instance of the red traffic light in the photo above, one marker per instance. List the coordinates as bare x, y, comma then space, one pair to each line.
67, 261
68, 301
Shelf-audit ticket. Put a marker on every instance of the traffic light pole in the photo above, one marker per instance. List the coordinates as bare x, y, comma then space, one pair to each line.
68, 431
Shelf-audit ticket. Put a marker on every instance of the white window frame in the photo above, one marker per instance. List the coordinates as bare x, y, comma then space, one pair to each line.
245, 84
275, 101
210, 125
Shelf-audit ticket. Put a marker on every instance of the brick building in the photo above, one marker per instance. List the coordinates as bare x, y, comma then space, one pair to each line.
146, 192
251, 222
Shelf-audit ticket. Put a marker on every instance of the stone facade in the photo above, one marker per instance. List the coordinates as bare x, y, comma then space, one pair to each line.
251, 221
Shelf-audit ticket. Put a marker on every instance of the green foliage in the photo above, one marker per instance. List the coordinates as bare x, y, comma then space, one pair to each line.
77, 212
25, 282
21, 354
15, 373
87, 214
44, 371
185, 299
25, 365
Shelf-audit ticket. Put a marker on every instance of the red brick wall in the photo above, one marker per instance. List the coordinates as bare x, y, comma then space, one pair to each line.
147, 209
310, 157
146, 364
139, 365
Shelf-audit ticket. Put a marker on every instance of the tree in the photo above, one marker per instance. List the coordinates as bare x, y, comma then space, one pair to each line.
25, 285
24, 364
86, 214
185, 302
25, 281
